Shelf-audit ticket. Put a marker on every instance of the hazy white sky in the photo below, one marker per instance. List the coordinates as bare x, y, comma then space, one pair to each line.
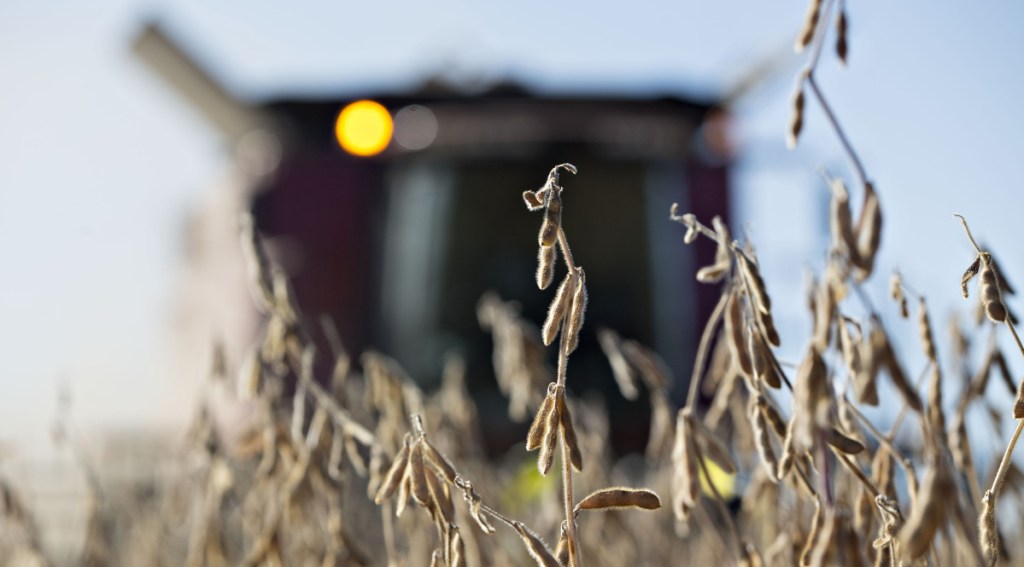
100, 161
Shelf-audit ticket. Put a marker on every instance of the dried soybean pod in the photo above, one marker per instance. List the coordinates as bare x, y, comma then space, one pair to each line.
869, 232
969, 274
959, 445
988, 284
999, 362
403, 492
811, 285
979, 382
762, 359
762, 441
929, 512
659, 442
825, 305
842, 30
624, 374
562, 549
569, 434
552, 218
713, 273
988, 534
653, 370
755, 283
872, 355
1018, 404
685, 479
924, 328
620, 497
537, 430
534, 199
767, 324
810, 399
896, 292
394, 475
850, 348
896, 286
796, 122
734, 331
810, 24
439, 462
440, 498
900, 380
771, 413
842, 443
558, 308
841, 218
537, 549
1004, 284
935, 414
577, 309
418, 474
545, 266
881, 471
550, 440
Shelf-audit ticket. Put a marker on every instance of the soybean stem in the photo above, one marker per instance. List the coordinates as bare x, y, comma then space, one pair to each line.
1004, 464
858, 167
563, 363
812, 64
970, 237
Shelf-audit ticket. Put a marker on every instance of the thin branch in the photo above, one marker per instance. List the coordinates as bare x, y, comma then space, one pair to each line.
970, 236
1004, 464
858, 166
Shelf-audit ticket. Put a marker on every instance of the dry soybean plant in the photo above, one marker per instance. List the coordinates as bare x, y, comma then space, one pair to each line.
827, 452
349, 462
418, 471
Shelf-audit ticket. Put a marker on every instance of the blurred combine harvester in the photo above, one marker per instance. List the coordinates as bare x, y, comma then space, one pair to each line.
394, 211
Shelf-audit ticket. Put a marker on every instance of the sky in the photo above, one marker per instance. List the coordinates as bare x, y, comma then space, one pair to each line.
100, 162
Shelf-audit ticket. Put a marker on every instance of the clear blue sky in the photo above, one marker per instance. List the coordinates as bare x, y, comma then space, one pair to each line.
100, 161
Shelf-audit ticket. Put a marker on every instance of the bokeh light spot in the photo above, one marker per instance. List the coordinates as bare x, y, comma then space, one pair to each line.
415, 127
364, 128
